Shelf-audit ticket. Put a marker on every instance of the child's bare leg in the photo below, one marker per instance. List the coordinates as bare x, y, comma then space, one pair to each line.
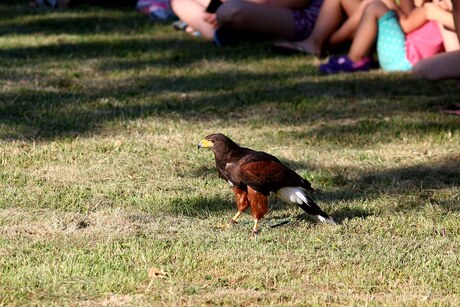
441, 66
329, 19
449, 39
273, 21
366, 33
192, 12
347, 30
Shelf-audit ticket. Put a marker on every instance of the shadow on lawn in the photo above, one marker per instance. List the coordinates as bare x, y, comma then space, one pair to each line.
363, 109
197, 206
22, 19
111, 55
413, 187
46, 114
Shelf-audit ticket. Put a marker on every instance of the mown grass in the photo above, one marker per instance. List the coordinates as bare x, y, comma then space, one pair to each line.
100, 179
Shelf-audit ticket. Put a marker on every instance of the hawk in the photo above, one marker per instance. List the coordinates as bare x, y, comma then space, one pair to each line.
253, 175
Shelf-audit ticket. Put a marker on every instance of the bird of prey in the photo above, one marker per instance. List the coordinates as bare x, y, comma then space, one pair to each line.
254, 174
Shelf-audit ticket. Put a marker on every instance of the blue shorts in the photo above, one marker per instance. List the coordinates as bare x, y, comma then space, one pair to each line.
391, 44
304, 20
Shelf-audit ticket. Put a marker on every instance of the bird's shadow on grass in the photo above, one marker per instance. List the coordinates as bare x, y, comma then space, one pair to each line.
414, 186
350, 213
198, 206
346, 212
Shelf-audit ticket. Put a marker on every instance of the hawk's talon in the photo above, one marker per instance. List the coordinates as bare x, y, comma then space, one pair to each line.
233, 222
255, 232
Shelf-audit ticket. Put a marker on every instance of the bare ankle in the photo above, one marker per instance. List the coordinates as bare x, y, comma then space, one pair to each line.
312, 46
354, 59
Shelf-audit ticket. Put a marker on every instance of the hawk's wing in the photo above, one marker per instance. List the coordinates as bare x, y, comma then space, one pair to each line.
267, 176
264, 173
263, 176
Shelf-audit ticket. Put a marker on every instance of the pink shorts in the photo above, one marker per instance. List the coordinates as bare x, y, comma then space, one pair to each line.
424, 42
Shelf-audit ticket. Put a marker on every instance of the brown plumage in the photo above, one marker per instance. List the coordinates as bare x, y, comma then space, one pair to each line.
254, 174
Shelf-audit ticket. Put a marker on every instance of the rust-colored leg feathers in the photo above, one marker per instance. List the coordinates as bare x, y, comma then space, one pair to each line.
259, 207
256, 200
242, 202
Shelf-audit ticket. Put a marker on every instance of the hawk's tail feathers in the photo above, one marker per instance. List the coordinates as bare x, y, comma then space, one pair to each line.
297, 196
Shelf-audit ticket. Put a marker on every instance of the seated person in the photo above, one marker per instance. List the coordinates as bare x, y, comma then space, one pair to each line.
270, 19
387, 22
445, 65
330, 18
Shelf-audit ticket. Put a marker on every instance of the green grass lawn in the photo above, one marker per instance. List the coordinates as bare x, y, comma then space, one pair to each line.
101, 183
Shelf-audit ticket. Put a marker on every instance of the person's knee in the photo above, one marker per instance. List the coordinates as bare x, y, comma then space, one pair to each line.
365, 3
424, 70
231, 13
375, 8
418, 70
175, 5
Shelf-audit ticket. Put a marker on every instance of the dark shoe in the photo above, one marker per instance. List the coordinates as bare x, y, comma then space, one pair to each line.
344, 64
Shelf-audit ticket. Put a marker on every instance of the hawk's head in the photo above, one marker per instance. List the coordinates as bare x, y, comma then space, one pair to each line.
217, 142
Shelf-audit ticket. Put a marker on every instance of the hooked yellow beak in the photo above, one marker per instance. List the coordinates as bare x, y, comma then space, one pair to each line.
205, 144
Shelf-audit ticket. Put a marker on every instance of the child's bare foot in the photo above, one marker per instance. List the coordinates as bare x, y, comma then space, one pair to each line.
191, 31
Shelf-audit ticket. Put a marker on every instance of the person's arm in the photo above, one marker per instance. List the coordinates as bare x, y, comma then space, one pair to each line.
407, 6
456, 13
437, 13
414, 20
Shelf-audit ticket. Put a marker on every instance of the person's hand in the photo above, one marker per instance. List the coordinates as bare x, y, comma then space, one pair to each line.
446, 4
432, 11
210, 18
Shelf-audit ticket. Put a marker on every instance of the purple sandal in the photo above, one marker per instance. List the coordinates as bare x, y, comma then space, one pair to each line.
343, 63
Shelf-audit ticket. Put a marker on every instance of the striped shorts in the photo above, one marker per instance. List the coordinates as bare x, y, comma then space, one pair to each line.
304, 20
